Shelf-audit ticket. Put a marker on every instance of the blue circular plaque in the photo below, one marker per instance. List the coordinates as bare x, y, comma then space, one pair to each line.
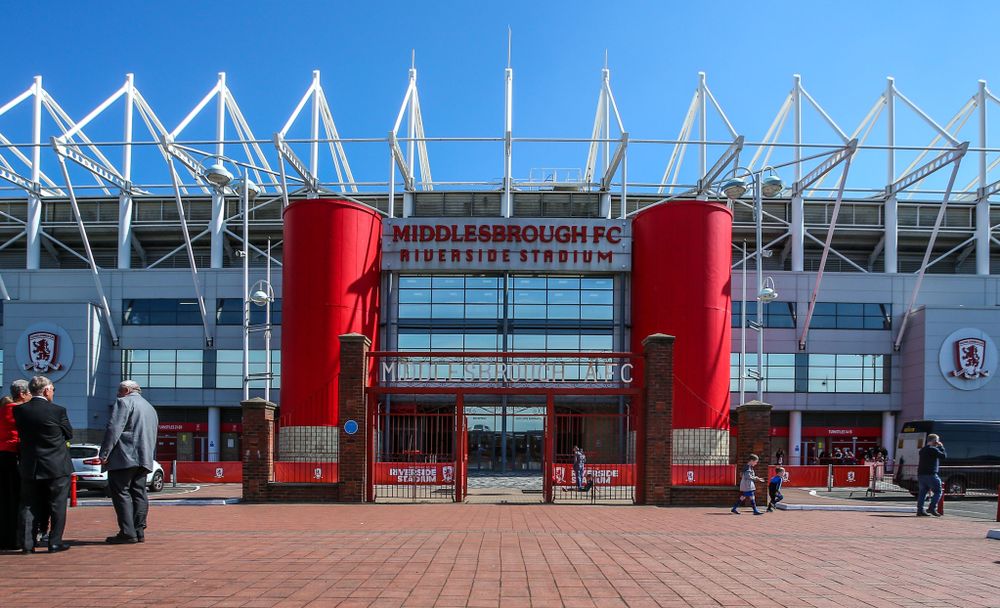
350, 427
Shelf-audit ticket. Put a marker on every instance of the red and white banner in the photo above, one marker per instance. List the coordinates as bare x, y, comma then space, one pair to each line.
604, 474
414, 474
306, 472
805, 476
197, 427
207, 472
852, 476
703, 474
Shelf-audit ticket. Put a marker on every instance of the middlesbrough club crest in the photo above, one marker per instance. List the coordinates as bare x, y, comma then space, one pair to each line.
970, 358
43, 349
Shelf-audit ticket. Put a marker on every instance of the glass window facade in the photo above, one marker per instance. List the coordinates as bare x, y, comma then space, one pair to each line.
778, 370
776, 314
229, 368
815, 373
506, 312
160, 311
848, 373
851, 315
164, 368
229, 311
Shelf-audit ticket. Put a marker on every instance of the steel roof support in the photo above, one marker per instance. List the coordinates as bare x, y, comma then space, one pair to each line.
844, 156
797, 213
125, 236
34, 221
217, 225
508, 127
209, 341
600, 144
416, 145
891, 247
955, 159
982, 202
731, 156
103, 300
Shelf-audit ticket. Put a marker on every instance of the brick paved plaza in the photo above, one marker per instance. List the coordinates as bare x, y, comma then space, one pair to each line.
510, 555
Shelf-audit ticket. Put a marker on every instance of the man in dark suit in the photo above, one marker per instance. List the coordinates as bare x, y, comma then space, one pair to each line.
127, 455
45, 466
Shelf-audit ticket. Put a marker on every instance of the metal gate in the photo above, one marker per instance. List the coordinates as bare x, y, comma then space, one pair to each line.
419, 453
607, 440
419, 445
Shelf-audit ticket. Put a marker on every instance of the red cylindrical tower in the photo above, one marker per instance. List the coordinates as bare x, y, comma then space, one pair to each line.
681, 268
330, 286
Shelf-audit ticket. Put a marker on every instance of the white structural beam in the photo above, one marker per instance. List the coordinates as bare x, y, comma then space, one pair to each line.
731, 157
797, 213
955, 159
34, 221
103, 300
891, 247
844, 156
982, 246
209, 342
125, 236
614, 163
288, 155
217, 225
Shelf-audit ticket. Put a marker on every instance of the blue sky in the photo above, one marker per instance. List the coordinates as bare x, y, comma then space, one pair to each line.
844, 51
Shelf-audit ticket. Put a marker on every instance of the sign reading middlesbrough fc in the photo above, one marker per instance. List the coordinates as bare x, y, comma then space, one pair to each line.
509, 244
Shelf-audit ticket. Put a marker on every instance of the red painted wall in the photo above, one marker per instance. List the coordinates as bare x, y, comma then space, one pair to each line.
681, 258
330, 286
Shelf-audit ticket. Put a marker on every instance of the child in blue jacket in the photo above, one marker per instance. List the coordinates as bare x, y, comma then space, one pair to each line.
774, 488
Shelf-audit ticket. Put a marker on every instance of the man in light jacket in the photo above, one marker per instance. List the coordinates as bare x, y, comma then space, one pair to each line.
127, 455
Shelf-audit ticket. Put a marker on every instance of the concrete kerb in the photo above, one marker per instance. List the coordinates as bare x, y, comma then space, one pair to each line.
838, 507
181, 502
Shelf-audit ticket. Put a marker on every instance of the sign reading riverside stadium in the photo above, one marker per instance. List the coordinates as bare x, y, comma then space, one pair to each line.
517, 244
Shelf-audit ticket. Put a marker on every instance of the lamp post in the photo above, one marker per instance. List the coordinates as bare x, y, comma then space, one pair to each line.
248, 192
262, 294
763, 185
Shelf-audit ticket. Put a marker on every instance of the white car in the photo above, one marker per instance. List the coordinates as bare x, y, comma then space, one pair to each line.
88, 473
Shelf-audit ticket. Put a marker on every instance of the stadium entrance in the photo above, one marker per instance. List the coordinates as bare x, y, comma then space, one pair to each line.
502, 427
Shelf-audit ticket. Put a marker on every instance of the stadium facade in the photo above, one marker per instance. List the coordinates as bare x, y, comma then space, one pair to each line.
123, 256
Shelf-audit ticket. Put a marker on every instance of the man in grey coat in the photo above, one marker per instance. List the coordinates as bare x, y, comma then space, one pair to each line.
127, 455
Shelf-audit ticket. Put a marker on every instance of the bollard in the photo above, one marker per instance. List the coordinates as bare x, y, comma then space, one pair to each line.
940, 505
829, 478
173, 474
72, 490
998, 503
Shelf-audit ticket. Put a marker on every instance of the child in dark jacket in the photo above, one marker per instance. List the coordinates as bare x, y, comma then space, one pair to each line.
774, 488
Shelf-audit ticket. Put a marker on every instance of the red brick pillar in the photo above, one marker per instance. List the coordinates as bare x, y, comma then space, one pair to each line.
352, 400
258, 448
656, 422
753, 421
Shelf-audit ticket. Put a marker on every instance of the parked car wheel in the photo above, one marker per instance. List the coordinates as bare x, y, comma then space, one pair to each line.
157, 484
